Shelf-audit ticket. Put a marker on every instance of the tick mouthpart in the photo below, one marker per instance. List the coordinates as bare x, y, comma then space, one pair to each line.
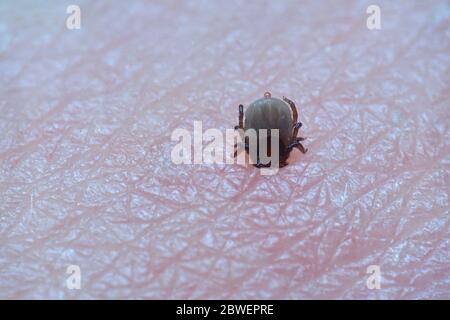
267, 95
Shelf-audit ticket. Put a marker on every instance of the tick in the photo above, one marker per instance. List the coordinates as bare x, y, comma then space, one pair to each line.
272, 113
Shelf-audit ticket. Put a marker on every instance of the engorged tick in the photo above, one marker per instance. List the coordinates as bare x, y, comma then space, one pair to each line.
272, 113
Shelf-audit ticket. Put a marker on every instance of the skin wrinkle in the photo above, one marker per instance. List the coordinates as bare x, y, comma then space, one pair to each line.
78, 156
310, 256
53, 111
43, 51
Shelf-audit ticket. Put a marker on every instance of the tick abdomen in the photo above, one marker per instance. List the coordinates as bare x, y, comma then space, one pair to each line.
270, 113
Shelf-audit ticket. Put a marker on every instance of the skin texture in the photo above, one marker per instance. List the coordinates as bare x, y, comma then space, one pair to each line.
86, 178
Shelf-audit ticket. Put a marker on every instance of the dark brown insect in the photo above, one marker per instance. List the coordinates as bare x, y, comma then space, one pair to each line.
272, 113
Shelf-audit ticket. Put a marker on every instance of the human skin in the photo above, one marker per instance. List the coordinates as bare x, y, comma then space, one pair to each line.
86, 176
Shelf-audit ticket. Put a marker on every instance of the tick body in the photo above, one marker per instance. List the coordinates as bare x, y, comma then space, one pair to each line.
273, 113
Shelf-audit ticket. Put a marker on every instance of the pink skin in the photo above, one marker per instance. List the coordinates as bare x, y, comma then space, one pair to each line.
85, 171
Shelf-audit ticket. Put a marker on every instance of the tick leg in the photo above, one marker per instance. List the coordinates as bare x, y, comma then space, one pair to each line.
293, 108
297, 126
241, 116
240, 126
260, 165
282, 164
300, 139
236, 151
301, 148
297, 145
